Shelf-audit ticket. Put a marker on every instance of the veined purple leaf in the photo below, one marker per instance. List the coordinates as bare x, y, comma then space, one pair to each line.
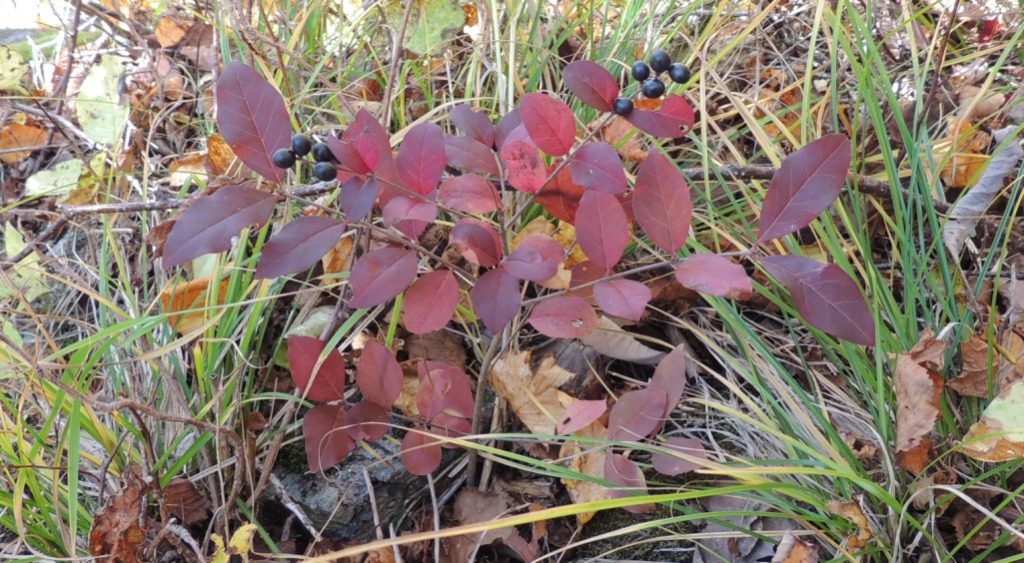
596, 166
477, 241
324, 384
550, 123
661, 202
714, 275
621, 471
421, 160
673, 119
473, 123
327, 443
252, 118
637, 414
470, 155
602, 228
209, 224
380, 275
536, 259
298, 246
430, 302
379, 375
591, 83
469, 193
496, 299
622, 298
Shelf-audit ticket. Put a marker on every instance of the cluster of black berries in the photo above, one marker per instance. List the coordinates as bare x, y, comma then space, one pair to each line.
324, 168
652, 86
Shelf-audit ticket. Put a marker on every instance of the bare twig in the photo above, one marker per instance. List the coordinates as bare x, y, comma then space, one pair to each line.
389, 88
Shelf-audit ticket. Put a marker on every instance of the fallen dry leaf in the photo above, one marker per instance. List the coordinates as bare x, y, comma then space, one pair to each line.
339, 257
473, 506
183, 501
987, 102
589, 461
961, 155
795, 550
16, 136
115, 532
171, 29
853, 512
621, 134
220, 157
533, 396
965, 523
183, 303
999, 435
918, 398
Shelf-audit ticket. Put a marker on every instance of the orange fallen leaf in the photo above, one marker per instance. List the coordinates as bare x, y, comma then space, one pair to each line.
17, 136
181, 301
918, 389
853, 512
999, 435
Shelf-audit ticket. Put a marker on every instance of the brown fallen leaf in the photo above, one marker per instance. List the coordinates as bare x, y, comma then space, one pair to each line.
473, 506
183, 501
853, 512
339, 257
116, 534
999, 435
795, 550
965, 523
183, 302
976, 103
171, 29
533, 396
17, 136
589, 461
918, 389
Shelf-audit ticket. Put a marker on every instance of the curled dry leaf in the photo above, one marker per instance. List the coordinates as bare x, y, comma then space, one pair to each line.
610, 340
918, 388
533, 396
998, 436
185, 303
852, 512
588, 461
795, 550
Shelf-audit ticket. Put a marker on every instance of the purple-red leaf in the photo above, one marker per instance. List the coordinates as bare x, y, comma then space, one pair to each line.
670, 377
347, 155
473, 123
508, 123
637, 414
430, 302
496, 299
450, 426
366, 421
536, 259
252, 118
443, 388
550, 123
469, 193
209, 224
421, 160
298, 246
661, 202
561, 197
421, 452
369, 139
825, 296
596, 166
477, 241
808, 181
327, 443
673, 119
358, 196
622, 298
564, 317
714, 275
671, 465
471, 155
379, 375
591, 83
578, 415
602, 229
619, 470
324, 384
410, 216
380, 275
524, 166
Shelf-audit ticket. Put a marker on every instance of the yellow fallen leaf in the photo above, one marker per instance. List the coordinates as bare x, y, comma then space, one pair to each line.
999, 435
181, 301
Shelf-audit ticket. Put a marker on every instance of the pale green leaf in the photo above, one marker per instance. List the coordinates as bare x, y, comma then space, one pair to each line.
100, 110
432, 24
59, 181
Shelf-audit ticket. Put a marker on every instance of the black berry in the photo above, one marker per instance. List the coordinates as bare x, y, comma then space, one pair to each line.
325, 171
622, 106
679, 73
660, 61
640, 71
284, 158
653, 88
301, 145
322, 153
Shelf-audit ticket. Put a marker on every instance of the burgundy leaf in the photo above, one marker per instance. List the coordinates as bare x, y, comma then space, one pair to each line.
421, 452
469, 154
536, 259
622, 298
358, 196
578, 415
671, 465
550, 123
380, 275
209, 224
477, 241
637, 414
421, 160
714, 275
585, 272
443, 388
252, 118
808, 181
508, 123
560, 197
596, 166
369, 139
564, 317
298, 246
410, 216
591, 83
496, 299
327, 444
619, 470
524, 166
825, 296
430, 302
670, 377
366, 421
602, 229
347, 155
469, 193
326, 383
450, 426
673, 119
379, 375
661, 202
473, 123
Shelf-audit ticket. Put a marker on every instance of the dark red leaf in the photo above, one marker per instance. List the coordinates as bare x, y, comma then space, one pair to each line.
252, 118
430, 302
585, 273
637, 414
473, 123
443, 388
673, 119
536, 259
421, 452
369, 139
808, 181
358, 196
366, 421
298, 246
714, 275
508, 123
469, 154
469, 193
661, 202
450, 426
421, 160
622, 298
209, 224
670, 377
564, 317
825, 296
619, 470
327, 444
477, 241
578, 415
596, 166
496, 299
602, 229
326, 383
591, 83
524, 166
379, 375
550, 123
671, 465
560, 197
410, 216
347, 155
380, 275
